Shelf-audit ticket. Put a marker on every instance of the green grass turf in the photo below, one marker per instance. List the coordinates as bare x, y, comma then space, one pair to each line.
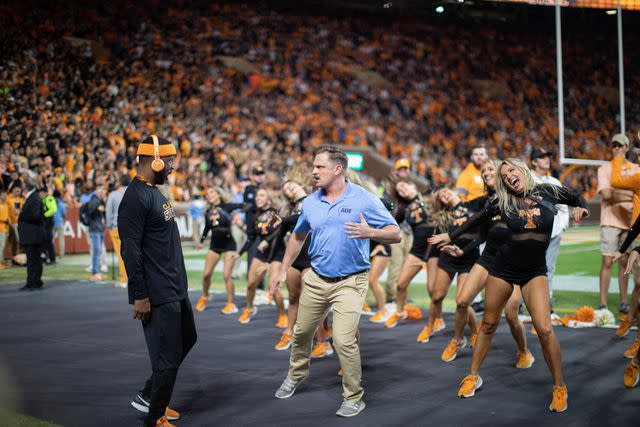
579, 259
13, 419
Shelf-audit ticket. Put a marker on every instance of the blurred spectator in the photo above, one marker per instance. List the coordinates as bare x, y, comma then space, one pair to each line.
32, 233
113, 203
4, 225
469, 184
14, 204
196, 210
96, 209
58, 222
50, 209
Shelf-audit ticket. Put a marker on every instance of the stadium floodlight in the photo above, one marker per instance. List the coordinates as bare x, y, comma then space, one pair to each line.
612, 12
439, 9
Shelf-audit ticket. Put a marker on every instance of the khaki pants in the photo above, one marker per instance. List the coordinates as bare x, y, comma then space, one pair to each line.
317, 297
399, 252
115, 239
3, 243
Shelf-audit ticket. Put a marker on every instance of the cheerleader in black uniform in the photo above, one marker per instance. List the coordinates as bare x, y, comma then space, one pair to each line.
264, 227
450, 266
218, 221
425, 216
528, 210
296, 185
494, 233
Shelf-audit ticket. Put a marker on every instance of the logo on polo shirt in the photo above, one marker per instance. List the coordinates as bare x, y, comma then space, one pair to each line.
169, 212
345, 210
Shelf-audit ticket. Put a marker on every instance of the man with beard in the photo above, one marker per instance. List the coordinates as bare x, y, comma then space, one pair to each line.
152, 256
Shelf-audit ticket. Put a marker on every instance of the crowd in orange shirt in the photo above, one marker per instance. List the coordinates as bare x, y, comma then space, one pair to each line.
75, 111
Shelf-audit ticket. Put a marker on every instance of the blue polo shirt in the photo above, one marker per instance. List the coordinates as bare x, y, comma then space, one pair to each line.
332, 253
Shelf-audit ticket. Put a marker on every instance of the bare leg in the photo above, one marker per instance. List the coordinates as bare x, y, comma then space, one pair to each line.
411, 267
443, 282
255, 275
536, 296
623, 279
605, 278
229, 263
209, 264
378, 264
274, 267
511, 313
497, 293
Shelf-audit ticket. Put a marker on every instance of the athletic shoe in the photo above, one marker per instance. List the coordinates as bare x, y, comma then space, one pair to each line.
379, 317
142, 405
229, 308
439, 325
560, 396
322, 349
623, 329
121, 285
533, 330
350, 408
633, 350
469, 385
478, 307
624, 308
285, 342
393, 320
282, 321
425, 334
451, 350
631, 375
247, 314
97, 277
202, 303
287, 388
525, 359
366, 309
163, 422
104, 268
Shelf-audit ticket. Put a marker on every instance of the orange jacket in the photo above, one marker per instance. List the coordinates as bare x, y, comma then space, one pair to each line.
631, 182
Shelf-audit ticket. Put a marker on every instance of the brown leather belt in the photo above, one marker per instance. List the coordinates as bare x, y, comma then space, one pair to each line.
339, 278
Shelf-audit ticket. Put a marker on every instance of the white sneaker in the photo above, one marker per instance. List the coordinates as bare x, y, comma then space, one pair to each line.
104, 268
88, 269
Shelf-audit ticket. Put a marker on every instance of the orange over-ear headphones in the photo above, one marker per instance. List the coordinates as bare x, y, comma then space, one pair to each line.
157, 165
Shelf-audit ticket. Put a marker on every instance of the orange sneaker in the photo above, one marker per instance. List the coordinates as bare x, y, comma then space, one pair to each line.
229, 308
328, 332
451, 350
285, 342
366, 309
322, 349
633, 350
439, 325
379, 317
623, 328
469, 385
631, 375
282, 321
396, 317
202, 303
164, 422
269, 297
425, 334
525, 359
171, 414
560, 396
247, 314
533, 330
97, 277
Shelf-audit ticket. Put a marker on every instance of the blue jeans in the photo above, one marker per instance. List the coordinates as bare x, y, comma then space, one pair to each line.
97, 237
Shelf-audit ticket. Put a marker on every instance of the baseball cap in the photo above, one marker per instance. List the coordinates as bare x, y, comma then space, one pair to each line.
403, 163
540, 152
620, 138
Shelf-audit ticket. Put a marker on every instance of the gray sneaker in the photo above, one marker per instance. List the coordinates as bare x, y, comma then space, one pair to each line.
287, 388
351, 408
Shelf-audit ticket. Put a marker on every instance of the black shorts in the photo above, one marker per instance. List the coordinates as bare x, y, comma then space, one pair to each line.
487, 258
420, 244
222, 242
463, 264
515, 275
303, 261
278, 255
387, 249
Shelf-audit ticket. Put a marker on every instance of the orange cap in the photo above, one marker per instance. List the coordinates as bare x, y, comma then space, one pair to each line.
403, 163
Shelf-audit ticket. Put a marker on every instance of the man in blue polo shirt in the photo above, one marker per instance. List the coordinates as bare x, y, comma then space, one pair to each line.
342, 217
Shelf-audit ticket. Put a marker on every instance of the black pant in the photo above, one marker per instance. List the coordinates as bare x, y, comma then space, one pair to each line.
170, 333
34, 266
48, 247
